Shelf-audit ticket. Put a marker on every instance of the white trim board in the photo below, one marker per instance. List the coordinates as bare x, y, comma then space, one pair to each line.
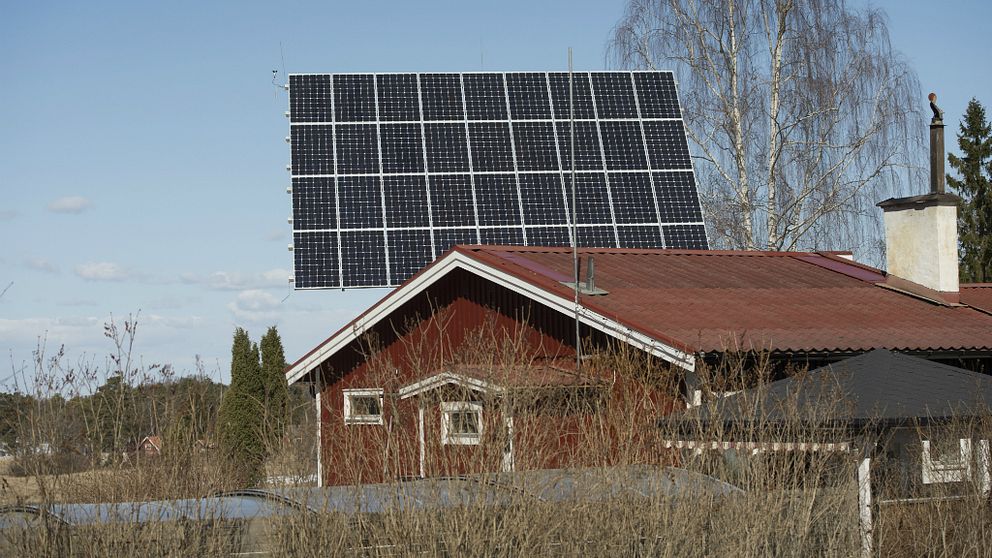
457, 260
446, 378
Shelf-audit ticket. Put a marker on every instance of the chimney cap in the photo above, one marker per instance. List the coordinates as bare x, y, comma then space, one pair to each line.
919, 202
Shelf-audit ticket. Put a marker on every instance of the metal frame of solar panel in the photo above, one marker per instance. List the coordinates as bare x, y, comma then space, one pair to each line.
391, 170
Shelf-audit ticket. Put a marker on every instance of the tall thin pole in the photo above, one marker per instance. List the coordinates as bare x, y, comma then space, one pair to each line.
575, 213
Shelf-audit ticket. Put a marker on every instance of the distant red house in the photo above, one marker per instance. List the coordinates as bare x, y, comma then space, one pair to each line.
150, 446
396, 400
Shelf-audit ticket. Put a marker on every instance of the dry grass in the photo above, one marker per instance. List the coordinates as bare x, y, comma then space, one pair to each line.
793, 503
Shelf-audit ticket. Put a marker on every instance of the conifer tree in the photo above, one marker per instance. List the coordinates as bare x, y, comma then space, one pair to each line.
975, 214
241, 414
276, 393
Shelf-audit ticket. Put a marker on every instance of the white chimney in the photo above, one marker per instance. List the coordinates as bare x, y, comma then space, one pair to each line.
921, 232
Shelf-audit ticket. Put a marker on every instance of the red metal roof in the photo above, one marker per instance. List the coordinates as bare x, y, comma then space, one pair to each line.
713, 301
978, 295
780, 301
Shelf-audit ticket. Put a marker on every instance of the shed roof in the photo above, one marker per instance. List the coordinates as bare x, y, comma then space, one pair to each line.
877, 387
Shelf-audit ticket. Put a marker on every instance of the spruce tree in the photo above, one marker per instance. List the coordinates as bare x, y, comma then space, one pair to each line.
975, 213
276, 394
241, 414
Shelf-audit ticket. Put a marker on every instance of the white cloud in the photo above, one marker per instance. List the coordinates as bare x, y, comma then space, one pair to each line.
8, 214
69, 204
236, 281
254, 305
38, 263
276, 236
73, 302
174, 322
101, 271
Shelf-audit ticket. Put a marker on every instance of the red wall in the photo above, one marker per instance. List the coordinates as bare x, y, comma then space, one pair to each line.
444, 322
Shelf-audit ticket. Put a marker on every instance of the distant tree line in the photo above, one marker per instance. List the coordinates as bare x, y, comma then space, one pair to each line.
90, 416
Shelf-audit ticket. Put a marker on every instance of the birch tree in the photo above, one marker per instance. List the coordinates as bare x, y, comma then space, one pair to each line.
800, 114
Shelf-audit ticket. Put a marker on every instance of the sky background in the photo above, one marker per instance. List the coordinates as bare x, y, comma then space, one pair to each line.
142, 160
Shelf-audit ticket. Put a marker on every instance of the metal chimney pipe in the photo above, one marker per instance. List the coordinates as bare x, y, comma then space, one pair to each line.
937, 173
591, 276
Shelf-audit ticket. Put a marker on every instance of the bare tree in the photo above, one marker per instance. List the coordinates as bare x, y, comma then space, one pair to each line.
801, 114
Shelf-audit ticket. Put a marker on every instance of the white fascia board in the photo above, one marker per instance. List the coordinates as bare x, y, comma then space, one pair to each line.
392, 302
456, 260
445, 378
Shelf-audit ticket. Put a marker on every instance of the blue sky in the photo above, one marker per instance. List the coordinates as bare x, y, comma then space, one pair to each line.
142, 161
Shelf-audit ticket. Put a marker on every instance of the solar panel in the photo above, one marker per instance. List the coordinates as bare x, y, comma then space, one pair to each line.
391, 170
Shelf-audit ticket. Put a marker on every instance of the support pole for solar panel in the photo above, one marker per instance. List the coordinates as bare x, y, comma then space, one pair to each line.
575, 212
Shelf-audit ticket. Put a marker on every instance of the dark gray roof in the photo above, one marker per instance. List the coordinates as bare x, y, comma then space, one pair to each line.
879, 387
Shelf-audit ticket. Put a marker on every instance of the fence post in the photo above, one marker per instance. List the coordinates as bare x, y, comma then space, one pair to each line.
864, 506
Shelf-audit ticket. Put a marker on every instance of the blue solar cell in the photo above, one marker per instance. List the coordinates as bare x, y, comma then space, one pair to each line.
360, 202
406, 201
592, 198
582, 105
357, 149
485, 96
490, 145
689, 237
409, 251
354, 98
497, 199
614, 92
402, 148
447, 150
441, 96
363, 258
315, 258
588, 152
656, 95
677, 197
597, 237
398, 97
622, 145
548, 236
452, 203
444, 239
639, 236
503, 236
314, 205
633, 200
543, 199
535, 146
667, 145
528, 95
312, 149
310, 100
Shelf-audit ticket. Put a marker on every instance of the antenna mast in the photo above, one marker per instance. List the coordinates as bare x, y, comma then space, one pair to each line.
575, 213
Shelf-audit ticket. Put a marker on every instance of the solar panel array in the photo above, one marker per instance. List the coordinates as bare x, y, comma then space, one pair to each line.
391, 170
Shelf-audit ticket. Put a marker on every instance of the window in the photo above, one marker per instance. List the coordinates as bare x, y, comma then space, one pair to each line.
363, 406
946, 461
461, 422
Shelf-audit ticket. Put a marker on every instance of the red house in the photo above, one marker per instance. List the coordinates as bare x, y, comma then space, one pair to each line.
411, 387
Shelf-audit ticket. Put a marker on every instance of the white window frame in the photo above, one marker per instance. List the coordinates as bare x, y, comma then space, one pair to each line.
952, 468
350, 418
450, 438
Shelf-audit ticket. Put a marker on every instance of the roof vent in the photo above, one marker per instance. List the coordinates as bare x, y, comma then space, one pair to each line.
587, 287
